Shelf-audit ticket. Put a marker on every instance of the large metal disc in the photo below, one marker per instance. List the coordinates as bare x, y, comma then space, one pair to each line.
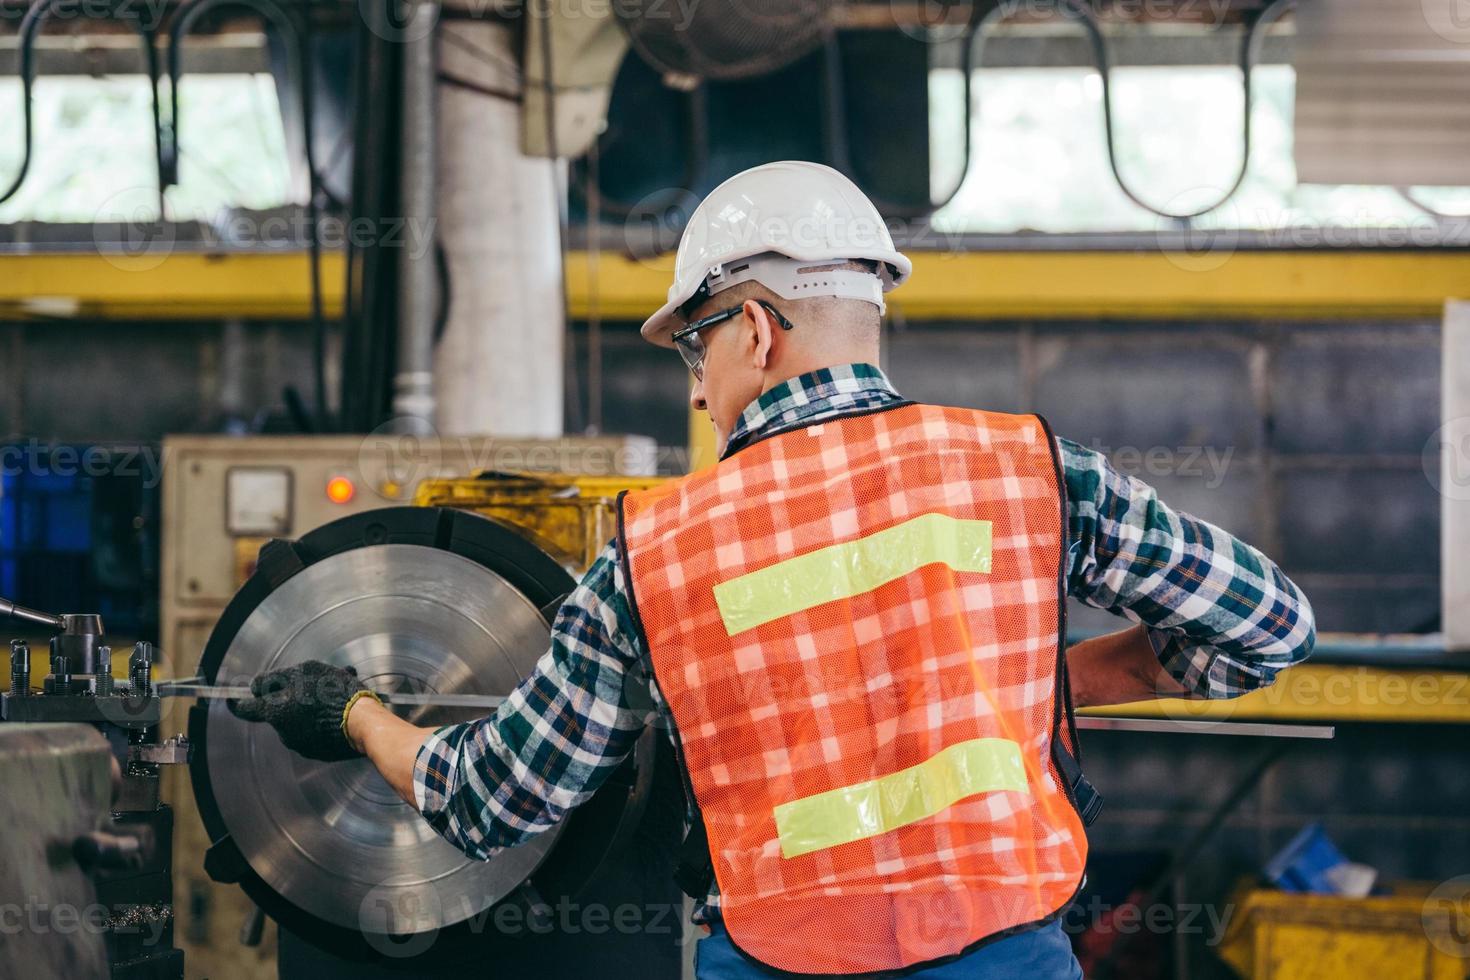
332, 838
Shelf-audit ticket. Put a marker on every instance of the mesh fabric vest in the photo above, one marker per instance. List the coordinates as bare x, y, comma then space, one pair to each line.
856, 626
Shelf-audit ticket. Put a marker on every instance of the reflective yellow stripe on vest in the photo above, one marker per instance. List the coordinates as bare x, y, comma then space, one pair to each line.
876, 806
842, 571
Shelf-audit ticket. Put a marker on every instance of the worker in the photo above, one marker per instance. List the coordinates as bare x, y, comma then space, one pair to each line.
852, 626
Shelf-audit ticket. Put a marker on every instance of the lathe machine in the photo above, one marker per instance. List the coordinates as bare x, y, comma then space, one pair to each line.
449, 597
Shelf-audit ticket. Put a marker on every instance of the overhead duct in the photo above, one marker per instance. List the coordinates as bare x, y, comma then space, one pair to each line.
739, 39
1381, 92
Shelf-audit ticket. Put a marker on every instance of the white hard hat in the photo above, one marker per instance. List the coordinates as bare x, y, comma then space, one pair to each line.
803, 211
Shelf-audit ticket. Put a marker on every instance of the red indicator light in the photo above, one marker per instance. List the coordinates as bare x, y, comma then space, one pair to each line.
340, 490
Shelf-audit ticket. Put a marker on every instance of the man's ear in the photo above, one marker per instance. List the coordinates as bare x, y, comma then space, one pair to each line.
763, 327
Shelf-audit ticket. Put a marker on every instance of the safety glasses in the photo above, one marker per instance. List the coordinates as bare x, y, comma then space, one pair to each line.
691, 345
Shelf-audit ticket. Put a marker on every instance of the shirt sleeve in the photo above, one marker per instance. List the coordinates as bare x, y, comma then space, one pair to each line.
500, 781
1222, 617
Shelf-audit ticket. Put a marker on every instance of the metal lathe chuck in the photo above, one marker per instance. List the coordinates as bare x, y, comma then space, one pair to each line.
418, 600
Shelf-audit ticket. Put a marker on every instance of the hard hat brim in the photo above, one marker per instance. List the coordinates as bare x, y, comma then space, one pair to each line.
660, 327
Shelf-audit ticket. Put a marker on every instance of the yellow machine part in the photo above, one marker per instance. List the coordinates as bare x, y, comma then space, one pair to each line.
1412, 934
571, 518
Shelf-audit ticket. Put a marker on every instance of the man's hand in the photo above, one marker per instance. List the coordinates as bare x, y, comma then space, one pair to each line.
1118, 668
307, 705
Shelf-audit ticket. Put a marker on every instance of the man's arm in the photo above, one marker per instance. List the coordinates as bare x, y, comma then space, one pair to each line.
501, 780
389, 742
1218, 618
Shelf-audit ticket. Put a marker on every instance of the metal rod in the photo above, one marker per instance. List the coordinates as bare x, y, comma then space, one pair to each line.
1204, 727
191, 689
195, 687
11, 610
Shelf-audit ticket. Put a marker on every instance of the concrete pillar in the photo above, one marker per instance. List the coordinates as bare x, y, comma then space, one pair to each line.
499, 367
1450, 472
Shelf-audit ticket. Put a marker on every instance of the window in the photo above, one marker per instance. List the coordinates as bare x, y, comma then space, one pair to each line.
93, 152
1040, 159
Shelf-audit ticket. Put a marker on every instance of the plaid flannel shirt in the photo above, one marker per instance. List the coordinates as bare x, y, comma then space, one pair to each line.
1222, 617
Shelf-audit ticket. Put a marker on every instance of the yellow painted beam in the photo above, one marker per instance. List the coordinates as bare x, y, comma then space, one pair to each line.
945, 285
167, 285
984, 285
1327, 693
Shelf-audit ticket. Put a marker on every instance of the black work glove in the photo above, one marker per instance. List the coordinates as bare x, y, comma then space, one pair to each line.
307, 706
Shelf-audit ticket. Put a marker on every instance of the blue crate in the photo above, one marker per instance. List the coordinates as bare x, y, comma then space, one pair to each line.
69, 538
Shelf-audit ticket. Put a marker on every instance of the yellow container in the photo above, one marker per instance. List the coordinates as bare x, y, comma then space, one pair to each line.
1417, 933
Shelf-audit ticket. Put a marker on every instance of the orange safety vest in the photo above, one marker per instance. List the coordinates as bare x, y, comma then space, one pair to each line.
857, 627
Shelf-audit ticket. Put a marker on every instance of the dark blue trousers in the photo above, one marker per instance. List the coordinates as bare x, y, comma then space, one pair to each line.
1041, 954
